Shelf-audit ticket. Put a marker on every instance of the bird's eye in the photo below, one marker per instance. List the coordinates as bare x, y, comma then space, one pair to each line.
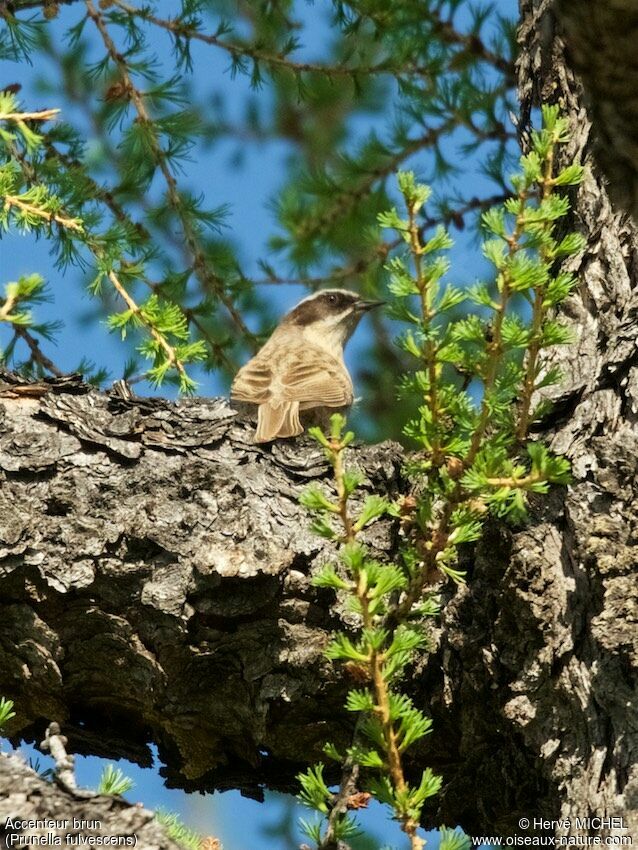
332, 299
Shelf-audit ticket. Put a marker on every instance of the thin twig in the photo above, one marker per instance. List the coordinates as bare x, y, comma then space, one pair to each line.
200, 265
36, 352
473, 44
30, 209
347, 788
7, 307
157, 336
275, 60
43, 115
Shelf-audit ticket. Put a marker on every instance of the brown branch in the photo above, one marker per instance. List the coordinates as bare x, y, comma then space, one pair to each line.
275, 60
200, 267
43, 115
347, 787
472, 44
69, 223
36, 353
104, 195
173, 359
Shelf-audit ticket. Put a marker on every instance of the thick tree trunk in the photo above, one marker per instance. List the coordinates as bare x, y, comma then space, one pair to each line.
601, 47
155, 575
540, 651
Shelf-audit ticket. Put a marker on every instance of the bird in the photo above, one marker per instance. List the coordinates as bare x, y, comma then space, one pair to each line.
301, 366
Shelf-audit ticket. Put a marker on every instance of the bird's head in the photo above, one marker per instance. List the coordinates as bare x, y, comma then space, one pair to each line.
329, 316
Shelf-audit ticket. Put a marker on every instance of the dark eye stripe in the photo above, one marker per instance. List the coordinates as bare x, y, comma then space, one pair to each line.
339, 299
312, 310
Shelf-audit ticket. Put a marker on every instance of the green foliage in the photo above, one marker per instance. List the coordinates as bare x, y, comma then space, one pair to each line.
314, 792
114, 782
454, 839
420, 74
20, 297
13, 127
316, 795
177, 831
344, 828
473, 458
6, 711
31, 204
373, 508
390, 722
469, 447
314, 500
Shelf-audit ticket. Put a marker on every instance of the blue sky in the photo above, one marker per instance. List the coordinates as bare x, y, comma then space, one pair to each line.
248, 190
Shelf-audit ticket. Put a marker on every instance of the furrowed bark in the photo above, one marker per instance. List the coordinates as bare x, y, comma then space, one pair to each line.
154, 585
540, 650
155, 573
601, 48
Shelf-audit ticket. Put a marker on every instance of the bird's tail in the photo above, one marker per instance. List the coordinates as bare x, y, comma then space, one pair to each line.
277, 420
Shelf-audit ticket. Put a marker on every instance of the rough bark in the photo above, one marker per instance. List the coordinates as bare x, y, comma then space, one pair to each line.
547, 632
601, 40
154, 580
154, 584
25, 796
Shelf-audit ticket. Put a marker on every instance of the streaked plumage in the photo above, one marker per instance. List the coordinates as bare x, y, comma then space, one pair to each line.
301, 366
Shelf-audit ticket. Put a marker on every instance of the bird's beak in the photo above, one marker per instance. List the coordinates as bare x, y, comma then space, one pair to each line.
364, 306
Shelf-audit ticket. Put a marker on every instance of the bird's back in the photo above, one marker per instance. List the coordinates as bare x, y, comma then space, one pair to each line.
284, 380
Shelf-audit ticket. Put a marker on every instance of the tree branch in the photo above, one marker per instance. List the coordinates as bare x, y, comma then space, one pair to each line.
274, 60
61, 812
201, 267
155, 580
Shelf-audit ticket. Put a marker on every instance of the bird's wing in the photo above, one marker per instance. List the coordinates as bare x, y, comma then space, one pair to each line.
309, 376
314, 378
252, 382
